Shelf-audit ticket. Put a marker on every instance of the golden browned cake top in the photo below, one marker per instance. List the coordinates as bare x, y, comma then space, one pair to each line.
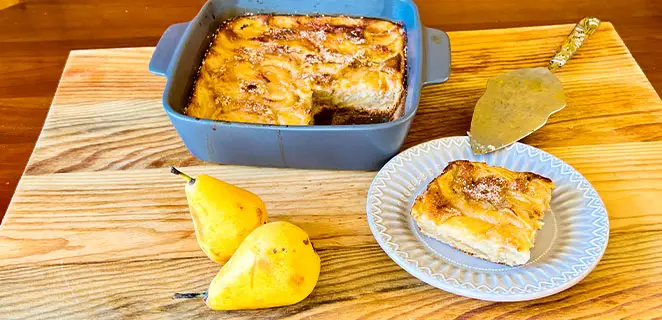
302, 70
484, 199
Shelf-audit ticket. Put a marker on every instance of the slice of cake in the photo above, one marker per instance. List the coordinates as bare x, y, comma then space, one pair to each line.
489, 212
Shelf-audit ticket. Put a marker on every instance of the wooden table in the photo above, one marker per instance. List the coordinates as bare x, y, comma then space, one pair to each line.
37, 35
98, 228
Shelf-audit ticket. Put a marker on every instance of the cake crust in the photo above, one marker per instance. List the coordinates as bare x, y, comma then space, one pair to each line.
489, 212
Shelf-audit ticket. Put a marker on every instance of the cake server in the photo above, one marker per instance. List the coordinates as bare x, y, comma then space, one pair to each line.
519, 102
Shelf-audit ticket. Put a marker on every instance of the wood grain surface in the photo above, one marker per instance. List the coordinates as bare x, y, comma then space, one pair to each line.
98, 228
37, 35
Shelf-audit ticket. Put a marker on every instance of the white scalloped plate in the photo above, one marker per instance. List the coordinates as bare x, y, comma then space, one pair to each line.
567, 248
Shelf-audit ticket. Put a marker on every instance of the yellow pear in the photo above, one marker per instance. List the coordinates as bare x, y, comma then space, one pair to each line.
223, 214
276, 265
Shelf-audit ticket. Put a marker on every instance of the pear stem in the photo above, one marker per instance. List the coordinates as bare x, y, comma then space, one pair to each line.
188, 178
190, 295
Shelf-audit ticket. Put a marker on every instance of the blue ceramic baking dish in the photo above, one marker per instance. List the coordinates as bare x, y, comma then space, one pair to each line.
350, 147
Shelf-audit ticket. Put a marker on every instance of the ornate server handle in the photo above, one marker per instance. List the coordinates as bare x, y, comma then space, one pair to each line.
576, 38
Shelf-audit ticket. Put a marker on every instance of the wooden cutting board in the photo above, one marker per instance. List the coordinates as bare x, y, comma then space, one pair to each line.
98, 228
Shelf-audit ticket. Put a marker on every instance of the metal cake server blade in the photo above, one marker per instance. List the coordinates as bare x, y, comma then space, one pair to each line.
519, 102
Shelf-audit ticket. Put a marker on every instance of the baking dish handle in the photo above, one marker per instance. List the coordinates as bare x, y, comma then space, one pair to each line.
165, 48
437, 63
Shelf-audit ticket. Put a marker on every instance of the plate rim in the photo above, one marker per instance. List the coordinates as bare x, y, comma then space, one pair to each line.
469, 292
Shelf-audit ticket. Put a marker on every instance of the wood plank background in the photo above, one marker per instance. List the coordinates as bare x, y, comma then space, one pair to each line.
98, 228
37, 35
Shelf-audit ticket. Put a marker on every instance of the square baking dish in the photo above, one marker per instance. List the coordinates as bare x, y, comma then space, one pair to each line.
347, 147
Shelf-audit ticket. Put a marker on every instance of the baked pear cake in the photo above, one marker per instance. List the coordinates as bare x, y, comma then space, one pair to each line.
489, 212
302, 70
